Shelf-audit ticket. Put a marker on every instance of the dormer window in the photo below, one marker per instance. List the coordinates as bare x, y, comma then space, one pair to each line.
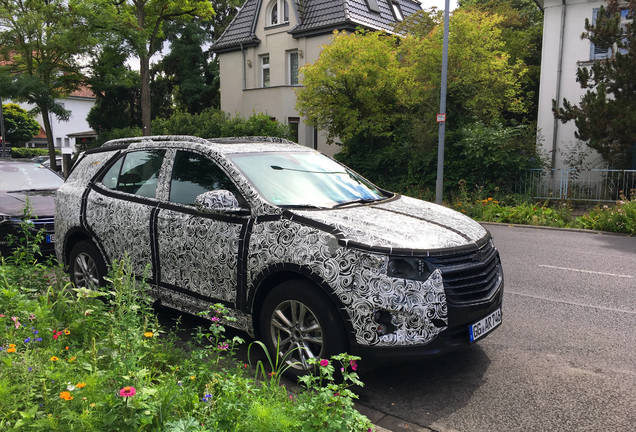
397, 12
278, 12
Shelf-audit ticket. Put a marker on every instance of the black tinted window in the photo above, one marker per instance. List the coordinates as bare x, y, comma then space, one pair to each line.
194, 174
138, 175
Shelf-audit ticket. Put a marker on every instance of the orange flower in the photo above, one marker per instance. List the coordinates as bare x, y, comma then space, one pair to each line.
54, 359
80, 385
67, 332
72, 359
66, 395
148, 334
11, 350
11, 345
66, 348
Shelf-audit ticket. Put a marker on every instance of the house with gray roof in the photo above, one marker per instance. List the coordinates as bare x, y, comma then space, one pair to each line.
262, 49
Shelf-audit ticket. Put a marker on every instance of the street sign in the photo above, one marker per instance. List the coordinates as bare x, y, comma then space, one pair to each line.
441, 118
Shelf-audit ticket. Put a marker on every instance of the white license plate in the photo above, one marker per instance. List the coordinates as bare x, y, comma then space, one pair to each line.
485, 325
50, 238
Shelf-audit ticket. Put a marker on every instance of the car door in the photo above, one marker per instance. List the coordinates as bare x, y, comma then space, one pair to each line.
119, 206
199, 251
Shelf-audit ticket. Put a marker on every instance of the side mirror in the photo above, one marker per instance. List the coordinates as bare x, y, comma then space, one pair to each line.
218, 200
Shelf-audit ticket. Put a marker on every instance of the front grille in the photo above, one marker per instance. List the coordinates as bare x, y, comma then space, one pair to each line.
470, 277
44, 223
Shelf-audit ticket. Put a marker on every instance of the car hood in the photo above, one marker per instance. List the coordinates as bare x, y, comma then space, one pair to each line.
404, 222
42, 203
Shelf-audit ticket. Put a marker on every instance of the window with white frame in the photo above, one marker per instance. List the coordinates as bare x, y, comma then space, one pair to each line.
397, 12
265, 70
277, 12
292, 67
597, 52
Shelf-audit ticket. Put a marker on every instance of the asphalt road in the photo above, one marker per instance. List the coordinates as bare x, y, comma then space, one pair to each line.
564, 358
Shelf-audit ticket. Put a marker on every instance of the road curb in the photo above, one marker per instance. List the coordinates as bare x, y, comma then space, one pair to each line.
383, 422
588, 231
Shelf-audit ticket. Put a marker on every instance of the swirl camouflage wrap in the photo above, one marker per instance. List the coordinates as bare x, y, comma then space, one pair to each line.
194, 257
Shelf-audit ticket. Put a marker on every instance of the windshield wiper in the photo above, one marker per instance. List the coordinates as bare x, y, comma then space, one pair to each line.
27, 190
279, 168
301, 206
357, 201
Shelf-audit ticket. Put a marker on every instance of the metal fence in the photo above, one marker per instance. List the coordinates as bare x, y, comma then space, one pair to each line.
602, 185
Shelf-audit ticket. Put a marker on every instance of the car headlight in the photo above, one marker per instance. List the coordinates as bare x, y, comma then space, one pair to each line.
408, 268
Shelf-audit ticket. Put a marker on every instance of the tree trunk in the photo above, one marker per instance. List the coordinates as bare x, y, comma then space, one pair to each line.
144, 63
49, 135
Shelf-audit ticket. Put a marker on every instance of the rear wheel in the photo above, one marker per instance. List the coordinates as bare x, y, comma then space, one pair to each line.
299, 323
87, 266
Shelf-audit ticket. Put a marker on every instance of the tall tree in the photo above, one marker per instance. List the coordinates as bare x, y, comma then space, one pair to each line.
605, 117
116, 88
141, 22
20, 126
41, 42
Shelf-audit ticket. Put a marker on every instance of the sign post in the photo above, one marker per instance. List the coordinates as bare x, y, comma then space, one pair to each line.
441, 117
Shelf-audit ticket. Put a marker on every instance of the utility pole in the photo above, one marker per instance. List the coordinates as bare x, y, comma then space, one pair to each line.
3, 134
441, 117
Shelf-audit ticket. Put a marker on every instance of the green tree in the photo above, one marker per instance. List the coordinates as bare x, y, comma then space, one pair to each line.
20, 126
379, 94
116, 89
522, 32
605, 117
141, 25
41, 42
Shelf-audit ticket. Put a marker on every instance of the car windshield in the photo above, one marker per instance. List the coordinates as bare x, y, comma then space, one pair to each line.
27, 176
304, 179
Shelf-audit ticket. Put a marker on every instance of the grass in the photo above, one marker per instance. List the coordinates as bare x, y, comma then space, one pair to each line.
76, 359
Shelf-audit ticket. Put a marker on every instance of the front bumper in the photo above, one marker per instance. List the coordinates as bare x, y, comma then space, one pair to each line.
13, 229
455, 337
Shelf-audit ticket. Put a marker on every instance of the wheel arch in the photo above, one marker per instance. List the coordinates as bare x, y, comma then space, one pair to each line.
74, 236
279, 273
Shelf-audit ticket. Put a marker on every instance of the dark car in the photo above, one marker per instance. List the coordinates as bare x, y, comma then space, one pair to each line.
23, 182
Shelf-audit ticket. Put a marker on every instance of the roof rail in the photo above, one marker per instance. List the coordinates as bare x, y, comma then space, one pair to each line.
249, 139
156, 138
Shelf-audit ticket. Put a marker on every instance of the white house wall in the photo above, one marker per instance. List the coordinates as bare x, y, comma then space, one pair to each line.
576, 51
278, 100
79, 108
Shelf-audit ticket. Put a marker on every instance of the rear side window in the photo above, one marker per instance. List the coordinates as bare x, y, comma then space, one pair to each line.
136, 173
194, 174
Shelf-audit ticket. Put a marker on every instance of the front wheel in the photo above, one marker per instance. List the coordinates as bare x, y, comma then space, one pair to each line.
87, 266
299, 323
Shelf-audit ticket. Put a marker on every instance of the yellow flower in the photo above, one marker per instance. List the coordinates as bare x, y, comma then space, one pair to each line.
489, 198
149, 334
92, 405
66, 395
54, 358
192, 377
67, 332
11, 350
72, 359
80, 385
11, 345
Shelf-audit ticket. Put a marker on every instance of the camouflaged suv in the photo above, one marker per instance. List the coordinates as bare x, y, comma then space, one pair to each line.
306, 254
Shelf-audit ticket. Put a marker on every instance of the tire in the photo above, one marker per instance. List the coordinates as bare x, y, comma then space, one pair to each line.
321, 333
86, 265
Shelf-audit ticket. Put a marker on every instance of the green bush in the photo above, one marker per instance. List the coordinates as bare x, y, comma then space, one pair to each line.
76, 359
620, 218
212, 123
117, 133
28, 153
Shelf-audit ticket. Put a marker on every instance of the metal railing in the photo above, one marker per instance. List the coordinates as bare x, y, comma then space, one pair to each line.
601, 185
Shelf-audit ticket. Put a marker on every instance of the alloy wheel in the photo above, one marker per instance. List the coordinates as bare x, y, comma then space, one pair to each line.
85, 271
297, 333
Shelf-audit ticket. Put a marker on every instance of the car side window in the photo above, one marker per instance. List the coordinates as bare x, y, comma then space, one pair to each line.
136, 173
194, 174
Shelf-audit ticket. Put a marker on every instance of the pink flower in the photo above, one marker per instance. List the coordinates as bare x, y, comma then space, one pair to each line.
354, 365
31, 317
215, 319
324, 362
127, 391
16, 322
2, 315
223, 346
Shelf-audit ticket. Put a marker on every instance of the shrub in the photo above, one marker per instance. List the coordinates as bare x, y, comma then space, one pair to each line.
212, 123
620, 218
117, 133
27, 153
